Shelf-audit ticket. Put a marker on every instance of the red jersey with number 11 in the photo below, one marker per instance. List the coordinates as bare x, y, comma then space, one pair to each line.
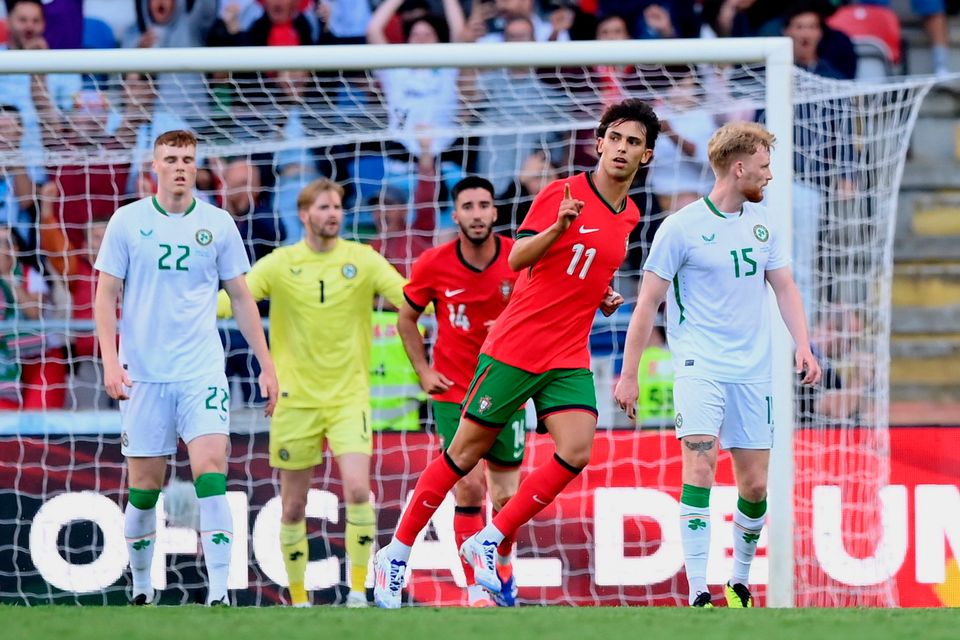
467, 300
547, 323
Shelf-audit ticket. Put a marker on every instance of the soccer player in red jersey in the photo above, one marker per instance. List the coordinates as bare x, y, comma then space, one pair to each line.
568, 249
469, 280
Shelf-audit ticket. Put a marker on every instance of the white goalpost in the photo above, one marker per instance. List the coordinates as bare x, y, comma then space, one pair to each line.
521, 114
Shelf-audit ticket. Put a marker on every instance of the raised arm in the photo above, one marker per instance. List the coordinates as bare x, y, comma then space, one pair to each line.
376, 29
248, 320
652, 290
791, 310
527, 251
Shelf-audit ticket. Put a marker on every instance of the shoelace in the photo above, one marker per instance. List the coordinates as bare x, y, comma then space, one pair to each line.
489, 554
397, 567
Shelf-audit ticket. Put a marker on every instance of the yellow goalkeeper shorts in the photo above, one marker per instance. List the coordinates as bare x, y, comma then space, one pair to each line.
297, 434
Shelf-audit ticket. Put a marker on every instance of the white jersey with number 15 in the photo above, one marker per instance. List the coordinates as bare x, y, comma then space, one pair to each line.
718, 318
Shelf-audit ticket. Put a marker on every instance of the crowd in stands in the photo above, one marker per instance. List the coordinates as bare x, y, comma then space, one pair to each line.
72, 152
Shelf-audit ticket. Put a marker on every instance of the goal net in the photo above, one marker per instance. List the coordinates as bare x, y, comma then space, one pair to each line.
398, 138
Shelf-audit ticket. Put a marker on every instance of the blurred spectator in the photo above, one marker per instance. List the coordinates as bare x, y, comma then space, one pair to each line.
397, 241
33, 365
282, 24
245, 201
62, 18
511, 97
934, 17
648, 19
261, 232
91, 187
489, 18
847, 379
804, 24
343, 21
535, 174
418, 97
26, 26
749, 18
739, 18
73, 263
175, 23
74, 266
680, 172
613, 81
294, 167
16, 186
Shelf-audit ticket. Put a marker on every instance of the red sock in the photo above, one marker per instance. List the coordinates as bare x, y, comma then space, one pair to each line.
432, 487
505, 548
466, 522
536, 491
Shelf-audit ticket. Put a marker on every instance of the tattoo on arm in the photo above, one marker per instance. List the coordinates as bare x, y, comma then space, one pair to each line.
702, 448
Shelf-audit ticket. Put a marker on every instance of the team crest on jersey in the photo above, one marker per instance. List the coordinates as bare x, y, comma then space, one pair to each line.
679, 421
204, 237
506, 288
486, 402
760, 233
349, 271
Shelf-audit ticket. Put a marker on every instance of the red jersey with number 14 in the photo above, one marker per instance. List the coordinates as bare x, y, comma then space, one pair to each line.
547, 323
467, 300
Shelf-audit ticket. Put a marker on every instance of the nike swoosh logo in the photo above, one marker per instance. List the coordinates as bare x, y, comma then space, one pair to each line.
453, 292
430, 506
537, 499
146, 234
583, 229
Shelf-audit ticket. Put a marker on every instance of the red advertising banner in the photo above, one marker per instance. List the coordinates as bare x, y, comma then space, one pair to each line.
610, 539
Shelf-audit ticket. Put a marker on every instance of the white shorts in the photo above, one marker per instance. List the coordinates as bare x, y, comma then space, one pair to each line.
740, 415
158, 413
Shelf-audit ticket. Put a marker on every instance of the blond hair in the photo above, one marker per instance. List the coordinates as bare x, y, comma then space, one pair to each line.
310, 192
176, 138
737, 139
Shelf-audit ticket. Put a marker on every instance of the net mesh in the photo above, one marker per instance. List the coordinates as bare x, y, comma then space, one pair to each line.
398, 140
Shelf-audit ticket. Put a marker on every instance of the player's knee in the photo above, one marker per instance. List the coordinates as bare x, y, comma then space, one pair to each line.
754, 490
499, 495
470, 493
294, 510
356, 495
576, 455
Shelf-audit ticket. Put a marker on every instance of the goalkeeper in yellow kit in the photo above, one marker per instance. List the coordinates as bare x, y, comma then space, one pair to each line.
321, 293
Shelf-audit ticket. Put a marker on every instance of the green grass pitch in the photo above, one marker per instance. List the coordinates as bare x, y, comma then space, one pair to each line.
606, 623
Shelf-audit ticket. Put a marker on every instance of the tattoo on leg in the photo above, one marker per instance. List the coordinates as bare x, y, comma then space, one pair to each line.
700, 447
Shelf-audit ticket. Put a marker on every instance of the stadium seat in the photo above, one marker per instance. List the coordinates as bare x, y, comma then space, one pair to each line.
875, 32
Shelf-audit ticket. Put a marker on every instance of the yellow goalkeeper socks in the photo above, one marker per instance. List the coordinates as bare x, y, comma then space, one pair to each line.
360, 536
293, 546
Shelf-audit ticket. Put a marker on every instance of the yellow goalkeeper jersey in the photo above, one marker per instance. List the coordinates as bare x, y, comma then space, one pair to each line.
320, 318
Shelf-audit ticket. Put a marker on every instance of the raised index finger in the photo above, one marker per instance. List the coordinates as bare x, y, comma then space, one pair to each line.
566, 191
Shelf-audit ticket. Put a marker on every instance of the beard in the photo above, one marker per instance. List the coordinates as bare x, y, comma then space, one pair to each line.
326, 230
754, 195
471, 236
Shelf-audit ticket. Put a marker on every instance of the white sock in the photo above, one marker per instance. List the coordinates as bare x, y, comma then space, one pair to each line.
695, 536
216, 537
490, 534
399, 550
140, 530
746, 532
